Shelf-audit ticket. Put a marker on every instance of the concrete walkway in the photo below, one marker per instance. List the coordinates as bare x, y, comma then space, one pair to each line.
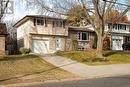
86, 71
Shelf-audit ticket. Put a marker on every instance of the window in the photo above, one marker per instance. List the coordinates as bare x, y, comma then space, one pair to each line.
63, 24
81, 48
117, 26
109, 26
83, 36
46, 23
124, 27
58, 23
40, 22
129, 28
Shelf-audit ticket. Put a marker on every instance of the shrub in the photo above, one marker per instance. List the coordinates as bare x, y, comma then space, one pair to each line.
24, 50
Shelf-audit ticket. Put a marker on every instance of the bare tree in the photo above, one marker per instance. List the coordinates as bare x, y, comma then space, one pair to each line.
3, 8
11, 37
97, 8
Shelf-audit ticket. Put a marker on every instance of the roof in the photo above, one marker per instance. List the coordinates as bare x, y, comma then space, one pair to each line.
128, 23
48, 34
72, 28
27, 17
3, 29
122, 34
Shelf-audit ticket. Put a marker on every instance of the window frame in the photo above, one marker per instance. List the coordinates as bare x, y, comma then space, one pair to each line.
118, 26
58, 23
80, 36
42, 22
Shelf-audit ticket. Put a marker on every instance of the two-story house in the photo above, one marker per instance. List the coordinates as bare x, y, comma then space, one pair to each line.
119, 34
43, 34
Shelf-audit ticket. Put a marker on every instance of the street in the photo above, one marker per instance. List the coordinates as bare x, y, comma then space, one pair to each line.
120, 81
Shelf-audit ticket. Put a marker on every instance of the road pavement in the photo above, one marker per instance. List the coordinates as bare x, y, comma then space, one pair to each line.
120, 81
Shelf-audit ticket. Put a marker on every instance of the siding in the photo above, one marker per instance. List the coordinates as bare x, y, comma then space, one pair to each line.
23, 34
49, 30
2, 45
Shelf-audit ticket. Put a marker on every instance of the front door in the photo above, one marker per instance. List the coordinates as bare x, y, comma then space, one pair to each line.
57, 43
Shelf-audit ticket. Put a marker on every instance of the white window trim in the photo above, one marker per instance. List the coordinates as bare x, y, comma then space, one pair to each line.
40, 24
118, 27
80, 39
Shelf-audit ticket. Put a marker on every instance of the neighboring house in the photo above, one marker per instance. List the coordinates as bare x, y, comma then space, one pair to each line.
3, 34
43, 34
119, 34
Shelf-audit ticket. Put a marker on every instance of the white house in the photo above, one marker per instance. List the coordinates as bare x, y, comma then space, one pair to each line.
42, 34
120, 33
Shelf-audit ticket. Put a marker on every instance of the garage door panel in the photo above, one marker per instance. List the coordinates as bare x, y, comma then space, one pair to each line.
117, 44
40, 46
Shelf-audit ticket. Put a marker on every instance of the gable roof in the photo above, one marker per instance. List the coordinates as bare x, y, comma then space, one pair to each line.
3, 29
27, 17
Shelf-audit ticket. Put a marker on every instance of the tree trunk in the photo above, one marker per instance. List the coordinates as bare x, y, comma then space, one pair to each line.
99, 52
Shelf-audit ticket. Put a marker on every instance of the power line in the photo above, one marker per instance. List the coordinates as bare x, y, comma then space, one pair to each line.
116, 3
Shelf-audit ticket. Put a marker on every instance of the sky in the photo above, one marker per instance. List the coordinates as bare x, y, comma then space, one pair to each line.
21, 11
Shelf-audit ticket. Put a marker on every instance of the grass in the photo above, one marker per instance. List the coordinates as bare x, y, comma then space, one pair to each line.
28, 68
111, 57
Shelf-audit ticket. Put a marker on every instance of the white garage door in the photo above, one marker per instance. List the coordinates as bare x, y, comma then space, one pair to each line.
40, 46
117, 44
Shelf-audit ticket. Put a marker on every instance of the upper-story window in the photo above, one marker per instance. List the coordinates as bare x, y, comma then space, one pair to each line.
83, 36
117, 26
58, 23
129, 28
40, 22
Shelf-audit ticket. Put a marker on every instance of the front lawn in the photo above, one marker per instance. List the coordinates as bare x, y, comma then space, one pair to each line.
29, 68
111, 57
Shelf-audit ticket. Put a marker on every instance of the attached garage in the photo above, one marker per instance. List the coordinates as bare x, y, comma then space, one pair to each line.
40, 46
117, 42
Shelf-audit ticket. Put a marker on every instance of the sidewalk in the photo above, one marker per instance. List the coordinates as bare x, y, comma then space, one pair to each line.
86, 71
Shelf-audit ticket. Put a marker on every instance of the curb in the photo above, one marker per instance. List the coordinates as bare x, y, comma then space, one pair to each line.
36, 83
